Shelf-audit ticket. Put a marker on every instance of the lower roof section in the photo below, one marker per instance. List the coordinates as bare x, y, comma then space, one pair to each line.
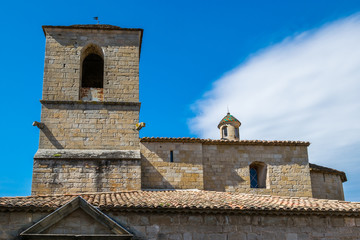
187, 200
321, 169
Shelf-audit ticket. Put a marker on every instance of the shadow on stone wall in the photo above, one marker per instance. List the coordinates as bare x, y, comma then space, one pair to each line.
51, 138
151, 178
216, 179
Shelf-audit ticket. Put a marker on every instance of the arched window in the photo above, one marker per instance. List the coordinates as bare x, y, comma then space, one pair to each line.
225, 132
92, 71
258, 175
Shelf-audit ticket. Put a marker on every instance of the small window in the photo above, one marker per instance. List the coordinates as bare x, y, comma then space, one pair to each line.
171, 156
258, 175
225, 132
254, 177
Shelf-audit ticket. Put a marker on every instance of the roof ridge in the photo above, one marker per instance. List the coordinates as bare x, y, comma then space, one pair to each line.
224, 141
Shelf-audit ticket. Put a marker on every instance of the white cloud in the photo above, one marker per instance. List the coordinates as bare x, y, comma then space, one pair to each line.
304, 88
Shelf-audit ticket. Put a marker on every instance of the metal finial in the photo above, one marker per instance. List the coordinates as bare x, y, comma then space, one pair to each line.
228, 112
97, 19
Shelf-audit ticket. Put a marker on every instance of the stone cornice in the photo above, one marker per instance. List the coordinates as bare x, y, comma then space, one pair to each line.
87, 154
90, 102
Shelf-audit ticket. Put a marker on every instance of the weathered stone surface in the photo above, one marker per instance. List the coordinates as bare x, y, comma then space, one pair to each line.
88, 175
185, 172
327, 186
269, 227
87, 154
86, 126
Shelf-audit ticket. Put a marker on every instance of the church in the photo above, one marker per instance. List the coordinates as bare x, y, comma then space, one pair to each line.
95, 178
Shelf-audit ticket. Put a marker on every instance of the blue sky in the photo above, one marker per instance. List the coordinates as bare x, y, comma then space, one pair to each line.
287, 70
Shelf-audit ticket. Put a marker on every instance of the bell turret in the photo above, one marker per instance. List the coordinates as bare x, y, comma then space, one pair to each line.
229, 128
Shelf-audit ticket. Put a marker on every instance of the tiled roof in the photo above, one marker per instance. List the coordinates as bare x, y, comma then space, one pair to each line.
228, 118
186, 200
317, 168
222, 141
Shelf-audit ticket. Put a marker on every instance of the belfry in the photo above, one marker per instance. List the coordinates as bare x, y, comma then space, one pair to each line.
90, 107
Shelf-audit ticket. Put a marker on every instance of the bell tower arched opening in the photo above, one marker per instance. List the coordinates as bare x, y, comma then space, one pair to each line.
92, 73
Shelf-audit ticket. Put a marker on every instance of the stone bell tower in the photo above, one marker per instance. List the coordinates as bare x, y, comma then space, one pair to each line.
229, 128
90, 106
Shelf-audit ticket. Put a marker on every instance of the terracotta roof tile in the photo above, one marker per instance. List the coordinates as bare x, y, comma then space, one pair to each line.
185, 200
222, 141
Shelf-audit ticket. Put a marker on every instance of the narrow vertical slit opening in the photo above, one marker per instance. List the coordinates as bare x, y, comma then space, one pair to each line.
171, 156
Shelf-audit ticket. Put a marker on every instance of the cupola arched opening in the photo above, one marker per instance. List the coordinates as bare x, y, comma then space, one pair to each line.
92, 67
224, 132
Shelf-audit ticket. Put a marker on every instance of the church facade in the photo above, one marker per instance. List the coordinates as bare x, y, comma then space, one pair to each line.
94, 178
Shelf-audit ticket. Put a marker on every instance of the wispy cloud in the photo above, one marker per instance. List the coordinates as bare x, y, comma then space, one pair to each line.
305, 88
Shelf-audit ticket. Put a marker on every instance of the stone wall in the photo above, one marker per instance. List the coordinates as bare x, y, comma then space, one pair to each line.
14, 222
185, 172
61, 176
226, 168
327, 186
191, 226
229, 227
233, 227
62, 71
89, 126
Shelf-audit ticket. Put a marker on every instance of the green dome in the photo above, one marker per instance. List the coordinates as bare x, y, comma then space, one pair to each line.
229, 119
